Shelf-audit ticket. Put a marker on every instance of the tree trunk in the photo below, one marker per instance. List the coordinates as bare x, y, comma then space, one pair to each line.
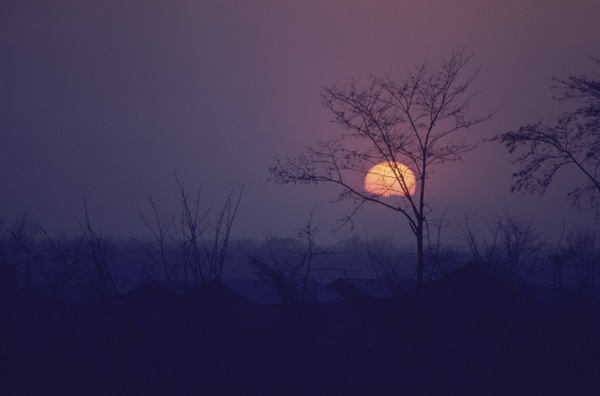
420, 260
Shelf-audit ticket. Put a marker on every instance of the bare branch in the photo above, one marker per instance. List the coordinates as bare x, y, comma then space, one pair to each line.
574, 141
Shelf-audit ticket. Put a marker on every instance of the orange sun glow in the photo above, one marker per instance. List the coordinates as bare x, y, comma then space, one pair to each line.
383, 179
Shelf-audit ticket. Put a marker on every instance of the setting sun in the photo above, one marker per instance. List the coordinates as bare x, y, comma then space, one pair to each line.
383, 179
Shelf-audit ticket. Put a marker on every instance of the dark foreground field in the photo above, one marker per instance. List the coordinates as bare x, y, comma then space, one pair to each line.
55, 364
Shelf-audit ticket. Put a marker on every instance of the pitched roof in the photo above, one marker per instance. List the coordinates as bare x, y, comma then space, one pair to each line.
471, 278
267, 292
176, 286
257, 291
69, 294
148, 290
503, 273
372, 289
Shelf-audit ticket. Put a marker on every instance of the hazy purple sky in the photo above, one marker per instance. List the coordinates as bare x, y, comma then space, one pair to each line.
111, 97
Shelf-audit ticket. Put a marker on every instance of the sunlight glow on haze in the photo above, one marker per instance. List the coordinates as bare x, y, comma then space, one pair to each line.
384, 179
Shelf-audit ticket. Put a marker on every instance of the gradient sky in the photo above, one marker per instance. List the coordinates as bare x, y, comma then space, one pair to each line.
110, 98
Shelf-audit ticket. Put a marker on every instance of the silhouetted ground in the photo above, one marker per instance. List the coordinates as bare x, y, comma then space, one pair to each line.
470, 335
559, 360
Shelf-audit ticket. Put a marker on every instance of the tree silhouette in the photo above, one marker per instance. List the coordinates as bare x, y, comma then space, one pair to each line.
574, 140
408, 121
202, 237
509, 242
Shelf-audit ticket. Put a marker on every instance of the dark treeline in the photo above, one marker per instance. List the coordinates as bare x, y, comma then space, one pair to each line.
96, 314
505, 243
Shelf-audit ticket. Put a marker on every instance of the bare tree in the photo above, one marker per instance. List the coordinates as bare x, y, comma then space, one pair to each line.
57, 259
511, 249
202, 236
98, 272
408, 121
215, 245
42, 260
288, 268
8, 286
291, 264
582, 253
386, 261
521, 245
18, 247
573, 141
189, 230
440, 258
102, 277
483, 250
157, 248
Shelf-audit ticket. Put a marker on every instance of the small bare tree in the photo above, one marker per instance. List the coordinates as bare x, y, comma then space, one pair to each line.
58, 260
288, 265
582, 252
440, 258
514, 245
409, 121
216, 243
483, 250
521, 246
386, 261
202, 237
157, 248
189, 230
18, 247
97, 270
291, 264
